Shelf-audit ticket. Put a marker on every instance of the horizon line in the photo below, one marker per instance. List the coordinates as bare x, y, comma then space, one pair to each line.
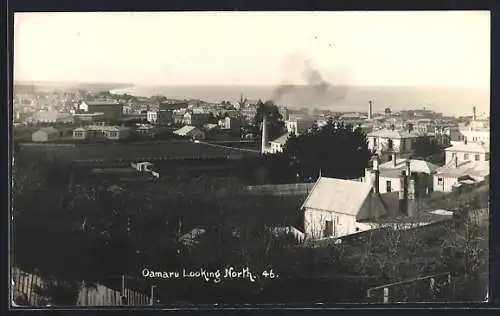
131, 85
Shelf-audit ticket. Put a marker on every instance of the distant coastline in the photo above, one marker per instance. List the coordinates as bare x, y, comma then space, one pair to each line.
454, 101
54, 86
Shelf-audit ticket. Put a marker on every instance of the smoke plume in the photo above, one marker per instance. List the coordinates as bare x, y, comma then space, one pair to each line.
316, 91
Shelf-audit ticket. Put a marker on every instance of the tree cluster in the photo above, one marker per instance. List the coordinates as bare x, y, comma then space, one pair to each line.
335, 150
275, 124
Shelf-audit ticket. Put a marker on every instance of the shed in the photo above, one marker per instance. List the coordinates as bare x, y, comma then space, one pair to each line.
45, 134
335, 206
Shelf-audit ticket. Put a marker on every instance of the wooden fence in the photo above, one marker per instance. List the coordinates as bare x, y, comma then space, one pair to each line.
104, 296
423, 289
24, 286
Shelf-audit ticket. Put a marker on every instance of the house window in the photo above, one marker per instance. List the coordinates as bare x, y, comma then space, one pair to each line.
374, 142
389, 144
466, 156
328, 228
388, 186
487, 157
477, 157
440, 181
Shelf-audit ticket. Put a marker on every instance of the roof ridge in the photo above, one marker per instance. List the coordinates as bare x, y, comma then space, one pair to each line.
310, 192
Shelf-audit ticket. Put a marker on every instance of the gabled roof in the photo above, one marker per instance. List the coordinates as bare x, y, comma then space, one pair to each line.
184, 130
416, 165
469, 147
282, 139
394, 134
336, 195
49, 130
467, 168
117, 128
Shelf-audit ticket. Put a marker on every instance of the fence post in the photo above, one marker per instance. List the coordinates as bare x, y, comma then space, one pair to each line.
386, 295
151, 300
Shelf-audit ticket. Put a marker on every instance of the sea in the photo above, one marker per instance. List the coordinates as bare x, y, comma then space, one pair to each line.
451, 101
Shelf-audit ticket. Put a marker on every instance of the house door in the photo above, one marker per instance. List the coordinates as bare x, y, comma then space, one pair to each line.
328, 229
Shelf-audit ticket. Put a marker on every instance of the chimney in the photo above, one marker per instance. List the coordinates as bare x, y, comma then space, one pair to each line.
403, 194
370, 110
411, 202
264, 134
376, 181
473, 113
394, 160
368, 176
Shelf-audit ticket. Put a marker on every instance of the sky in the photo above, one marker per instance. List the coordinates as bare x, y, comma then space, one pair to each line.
445, 48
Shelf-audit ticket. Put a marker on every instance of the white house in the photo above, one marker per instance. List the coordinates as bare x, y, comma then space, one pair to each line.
465, 151
50, 117
118, 132
385, 142
101, 132
190, 131
334, 208
477, 135
456, 174
152, 116
277, 145
390, 174
81, 133
298, 126
145, 129
45, 134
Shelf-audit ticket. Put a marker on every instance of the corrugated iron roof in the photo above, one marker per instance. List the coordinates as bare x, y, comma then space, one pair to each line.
336, 195
416, 165
184, 130
394, 134
469, 147
49, 130
282, 139
471, 168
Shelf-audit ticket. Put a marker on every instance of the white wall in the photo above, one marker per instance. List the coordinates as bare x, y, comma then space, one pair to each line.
403, 145
395, 184
446, 184
462, 156
477, 136
315, 224
83, 106
152, 116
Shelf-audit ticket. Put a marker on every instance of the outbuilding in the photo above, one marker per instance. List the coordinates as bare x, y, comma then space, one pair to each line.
45, 134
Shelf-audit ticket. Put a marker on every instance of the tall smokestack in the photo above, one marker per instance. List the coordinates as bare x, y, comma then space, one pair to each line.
411, 202
264, 134
403, 193
370, 103
376, 181
473, 113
